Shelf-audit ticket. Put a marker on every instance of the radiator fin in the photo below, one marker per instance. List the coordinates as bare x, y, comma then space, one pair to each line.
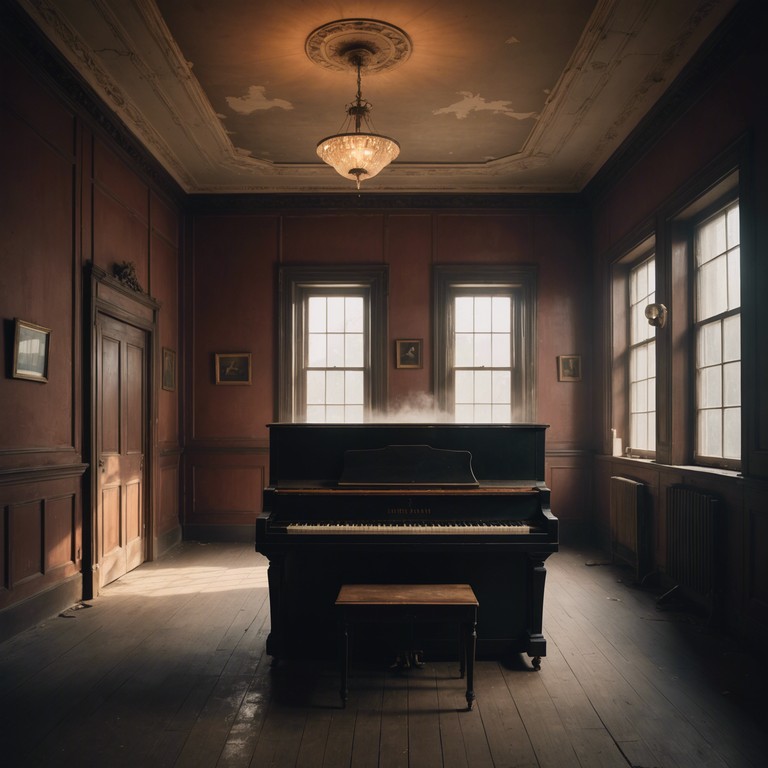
630, 528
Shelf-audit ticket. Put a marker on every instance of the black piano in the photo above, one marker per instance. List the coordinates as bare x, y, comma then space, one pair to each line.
407, 503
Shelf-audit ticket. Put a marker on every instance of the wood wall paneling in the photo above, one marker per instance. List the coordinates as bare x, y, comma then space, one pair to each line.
485, 238
339, 238
409, 255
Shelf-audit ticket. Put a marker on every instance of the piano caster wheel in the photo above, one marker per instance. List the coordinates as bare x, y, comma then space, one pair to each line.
536, 663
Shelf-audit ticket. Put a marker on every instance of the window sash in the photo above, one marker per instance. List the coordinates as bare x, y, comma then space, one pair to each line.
717, 338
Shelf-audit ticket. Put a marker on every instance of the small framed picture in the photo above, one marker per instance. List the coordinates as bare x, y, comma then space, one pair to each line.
233, 368
169, 369
569, 368
30, 351
408, 353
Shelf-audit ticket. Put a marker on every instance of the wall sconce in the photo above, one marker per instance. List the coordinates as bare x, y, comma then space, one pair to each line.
656, 315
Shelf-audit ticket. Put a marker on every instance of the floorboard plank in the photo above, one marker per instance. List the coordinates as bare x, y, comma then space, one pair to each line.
168, 668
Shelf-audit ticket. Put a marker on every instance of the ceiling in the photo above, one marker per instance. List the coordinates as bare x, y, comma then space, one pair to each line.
495, 96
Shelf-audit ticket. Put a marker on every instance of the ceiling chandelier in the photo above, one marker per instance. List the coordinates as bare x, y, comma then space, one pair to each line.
357, 151
358, 154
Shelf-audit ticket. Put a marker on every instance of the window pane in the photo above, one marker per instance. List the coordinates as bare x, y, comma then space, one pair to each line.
464, 314
732, 225
335, 314
732, 338
354, 354
334, 414
483, 387
483, 414
710, 388
502, 387
732, 384
315, 387
712, 289
734, 279
482, 314
641, 363
732, 433
483, 349
501, 355
640, 432
316, 413
710, 239
316, 314
464, 350
464, 413
354, 388
502, 314
334, 387
709, 346
354, 414
335, 350
316, 351
501, 414
354, 320
710, 437
464, 387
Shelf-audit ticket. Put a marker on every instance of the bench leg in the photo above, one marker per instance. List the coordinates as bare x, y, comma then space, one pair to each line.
344, 663
470, 647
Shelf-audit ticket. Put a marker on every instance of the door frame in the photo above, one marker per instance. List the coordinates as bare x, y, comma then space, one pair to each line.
106, 295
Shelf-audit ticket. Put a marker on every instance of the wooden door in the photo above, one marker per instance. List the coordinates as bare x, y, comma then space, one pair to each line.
121, 415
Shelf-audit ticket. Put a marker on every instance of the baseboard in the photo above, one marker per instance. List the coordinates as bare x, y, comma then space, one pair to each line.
30, 612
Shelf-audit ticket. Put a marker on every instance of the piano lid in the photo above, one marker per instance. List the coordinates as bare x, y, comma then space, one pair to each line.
412, 466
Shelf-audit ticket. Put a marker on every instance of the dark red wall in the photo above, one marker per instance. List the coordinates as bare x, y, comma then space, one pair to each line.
232, 267
721, 116
69, 196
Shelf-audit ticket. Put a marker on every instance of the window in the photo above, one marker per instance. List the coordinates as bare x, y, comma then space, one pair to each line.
332, 351
642, 358
484, 325
676, 388
717, 327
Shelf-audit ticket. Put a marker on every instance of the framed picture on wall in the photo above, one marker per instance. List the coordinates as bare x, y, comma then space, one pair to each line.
569, 368
169, 369
408, 353
233, 368
30, 351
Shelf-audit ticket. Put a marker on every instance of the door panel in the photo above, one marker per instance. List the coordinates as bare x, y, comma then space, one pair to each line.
121, 437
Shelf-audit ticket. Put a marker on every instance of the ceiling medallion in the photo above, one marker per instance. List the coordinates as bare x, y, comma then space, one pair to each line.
386, 45
362, 45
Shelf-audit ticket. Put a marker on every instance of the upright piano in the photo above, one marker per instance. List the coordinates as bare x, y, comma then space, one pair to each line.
407, 503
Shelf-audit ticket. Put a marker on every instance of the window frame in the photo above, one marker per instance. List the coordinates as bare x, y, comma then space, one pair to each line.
518, 281
646, 256
642, 248
726, 200
296, 283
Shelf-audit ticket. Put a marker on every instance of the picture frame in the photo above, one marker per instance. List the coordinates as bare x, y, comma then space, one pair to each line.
169, 370
233, 368
408, 353
569, 368
31, 347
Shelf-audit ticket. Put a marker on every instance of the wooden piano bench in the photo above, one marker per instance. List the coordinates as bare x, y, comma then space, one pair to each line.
410, 603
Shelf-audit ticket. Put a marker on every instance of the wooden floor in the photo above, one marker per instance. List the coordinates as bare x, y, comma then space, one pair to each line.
167, 668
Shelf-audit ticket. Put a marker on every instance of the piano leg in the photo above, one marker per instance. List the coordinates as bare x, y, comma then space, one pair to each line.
275, 574
537, 575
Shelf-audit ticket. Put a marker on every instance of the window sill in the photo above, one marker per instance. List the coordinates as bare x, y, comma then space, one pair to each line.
732, 473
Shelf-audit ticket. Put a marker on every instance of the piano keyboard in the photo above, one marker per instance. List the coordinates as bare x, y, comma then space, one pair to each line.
429, 529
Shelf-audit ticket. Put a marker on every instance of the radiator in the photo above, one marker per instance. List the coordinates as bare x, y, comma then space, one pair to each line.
691, 538
630, 527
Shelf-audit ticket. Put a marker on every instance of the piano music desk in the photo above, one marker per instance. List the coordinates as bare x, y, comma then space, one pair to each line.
410, 603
